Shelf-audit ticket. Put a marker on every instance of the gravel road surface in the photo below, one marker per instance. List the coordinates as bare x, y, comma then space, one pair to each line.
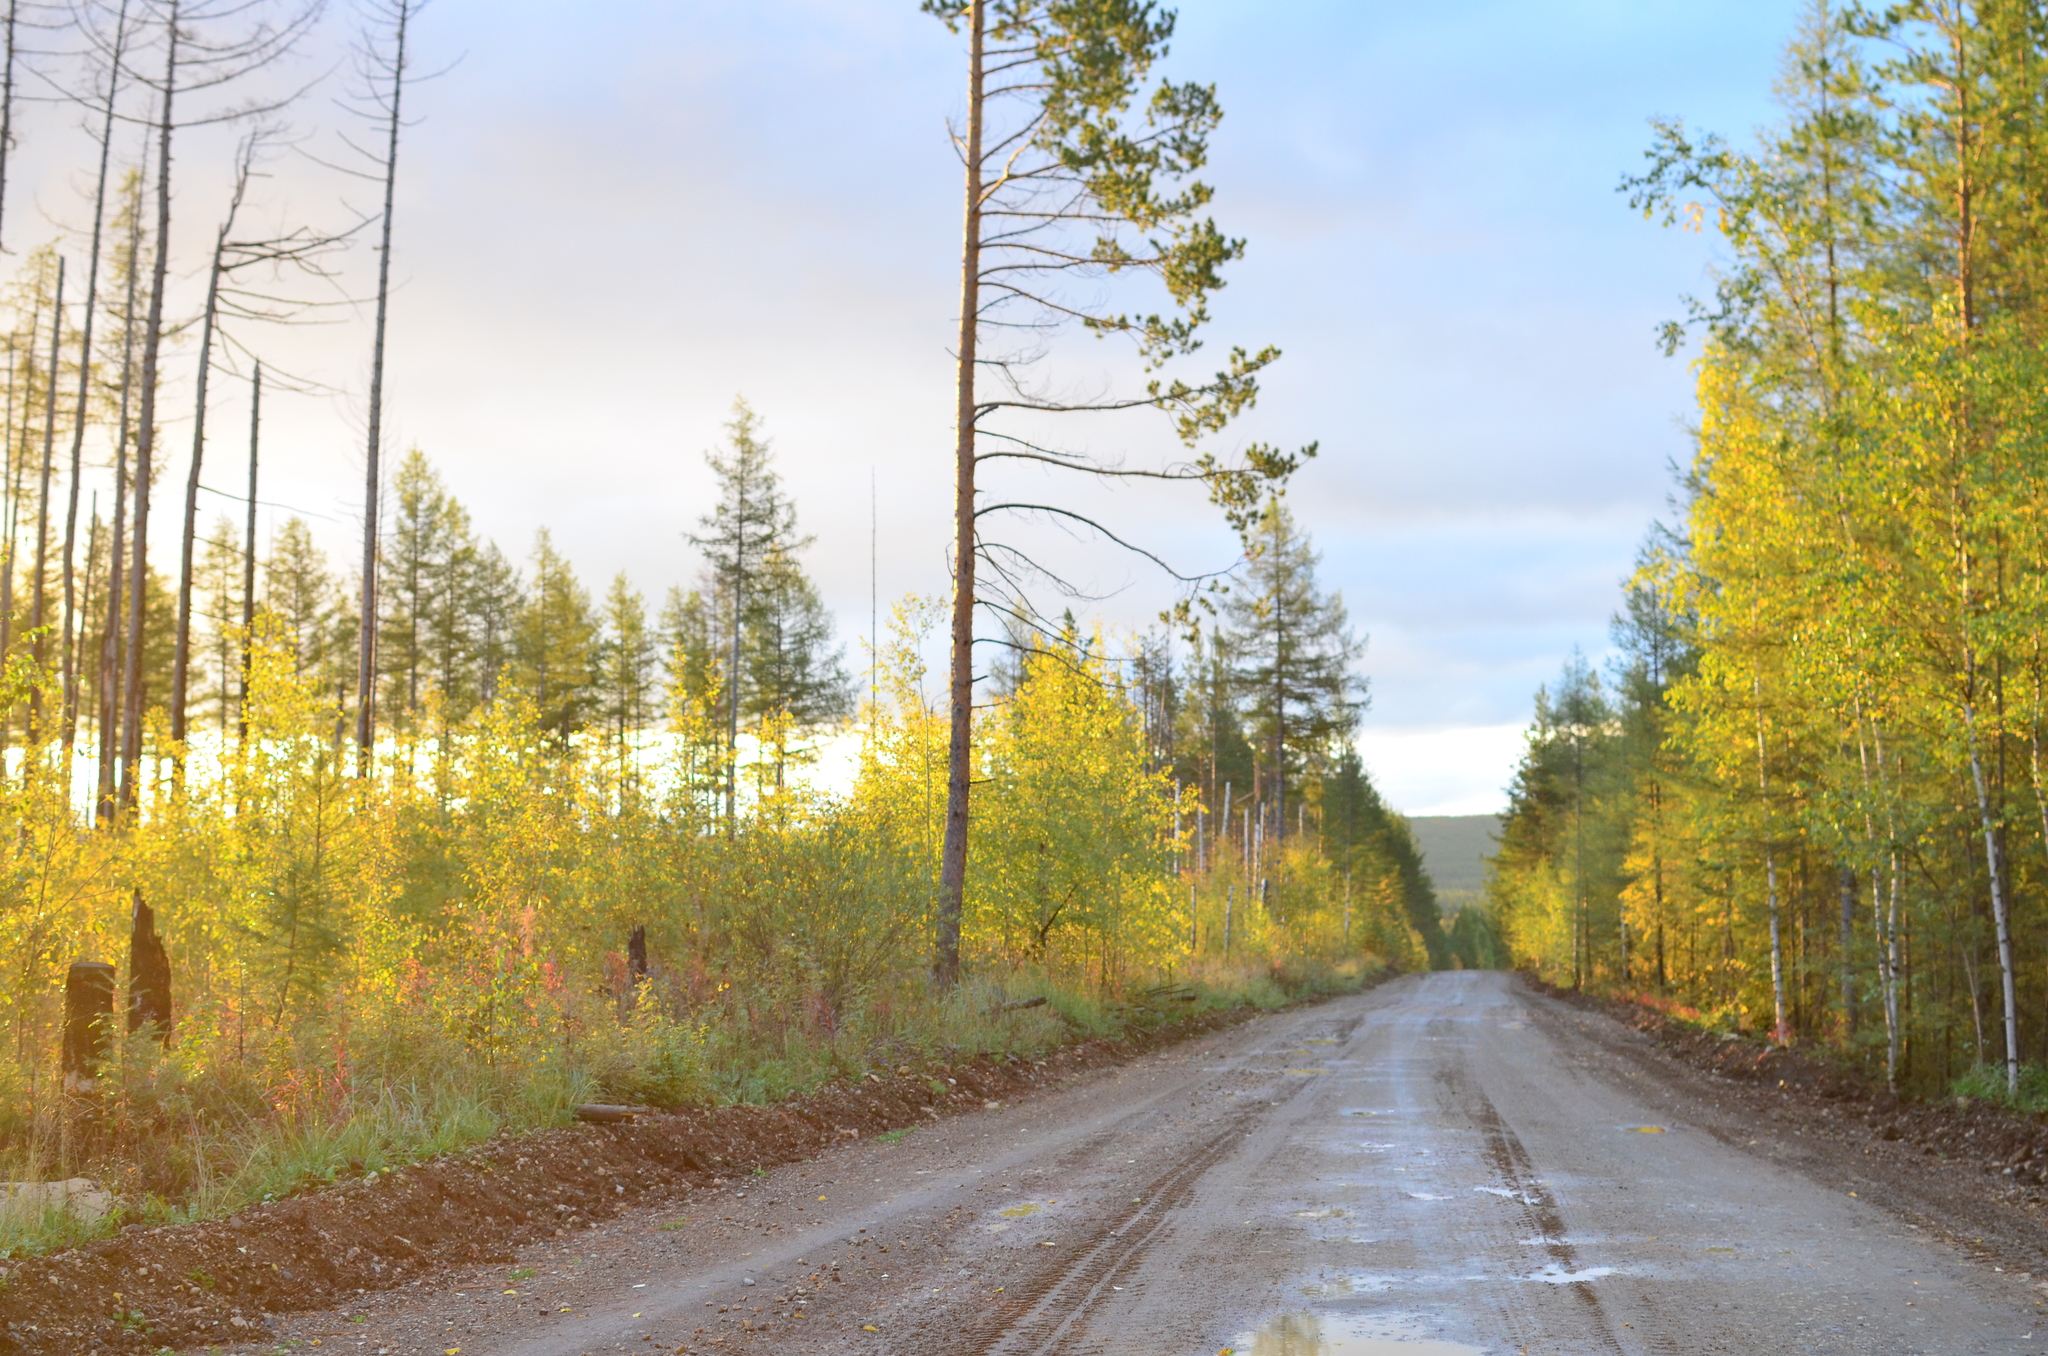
1447, 1165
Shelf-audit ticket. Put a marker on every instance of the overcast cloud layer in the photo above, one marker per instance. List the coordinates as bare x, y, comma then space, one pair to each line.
614, 219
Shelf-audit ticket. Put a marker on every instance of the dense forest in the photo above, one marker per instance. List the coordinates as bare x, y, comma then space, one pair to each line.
1807, 798
372, 857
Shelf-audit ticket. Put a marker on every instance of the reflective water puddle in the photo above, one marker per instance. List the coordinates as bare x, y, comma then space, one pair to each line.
1328, 1335
1553, 1274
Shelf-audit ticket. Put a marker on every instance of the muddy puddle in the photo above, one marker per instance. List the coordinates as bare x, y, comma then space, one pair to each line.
1338, 1335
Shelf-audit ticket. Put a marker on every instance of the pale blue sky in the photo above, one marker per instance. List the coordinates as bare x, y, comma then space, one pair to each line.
614, 218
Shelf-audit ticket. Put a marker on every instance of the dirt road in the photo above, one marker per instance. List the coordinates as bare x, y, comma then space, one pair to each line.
1446, 1165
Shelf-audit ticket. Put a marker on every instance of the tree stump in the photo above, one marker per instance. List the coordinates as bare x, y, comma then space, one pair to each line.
88, 1022
636, 967
149, 974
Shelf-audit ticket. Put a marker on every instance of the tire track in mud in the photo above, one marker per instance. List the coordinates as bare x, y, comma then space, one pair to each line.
1054, 1306
1538, 1209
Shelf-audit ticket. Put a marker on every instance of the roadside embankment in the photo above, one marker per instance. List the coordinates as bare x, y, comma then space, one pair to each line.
175, 1286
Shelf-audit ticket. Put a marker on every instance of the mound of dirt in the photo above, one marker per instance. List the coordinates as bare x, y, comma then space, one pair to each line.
146, 1289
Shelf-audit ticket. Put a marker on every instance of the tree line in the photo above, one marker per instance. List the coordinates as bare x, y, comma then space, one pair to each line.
1253, 718
1808, 797
460, 623
1081, 164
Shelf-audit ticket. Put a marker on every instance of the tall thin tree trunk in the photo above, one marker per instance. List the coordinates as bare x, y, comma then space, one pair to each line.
249, 553
1885, 925
7, 98
181, 660
1279, 733
2000, 915
1780, 1030
732, 669
1846, 882
17, 448
112, 686
39, 613
366, 646
145, 433
1894, 1034
2040, 796
92, 548
960, 683
92, 294
1581, 944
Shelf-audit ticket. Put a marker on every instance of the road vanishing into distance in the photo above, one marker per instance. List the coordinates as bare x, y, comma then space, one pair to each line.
1449, 1164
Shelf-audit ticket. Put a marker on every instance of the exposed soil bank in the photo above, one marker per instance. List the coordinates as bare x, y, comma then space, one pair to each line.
146, 1289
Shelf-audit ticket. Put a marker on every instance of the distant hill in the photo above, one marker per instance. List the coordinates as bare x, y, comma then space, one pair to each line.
1454, 849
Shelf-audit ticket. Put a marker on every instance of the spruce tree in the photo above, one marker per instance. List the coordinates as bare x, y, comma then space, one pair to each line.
689, 660
1292, 651
419, 551
795, 676
625, 667
218, 582
555, 642
300, 597
495, 599
757, 595
449, 630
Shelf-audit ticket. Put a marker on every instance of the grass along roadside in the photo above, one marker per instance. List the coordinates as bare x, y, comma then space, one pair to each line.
179, 1140
214, 1281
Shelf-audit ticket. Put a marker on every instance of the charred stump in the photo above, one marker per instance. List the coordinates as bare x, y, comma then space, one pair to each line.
149, 974
636, 965
88, 1022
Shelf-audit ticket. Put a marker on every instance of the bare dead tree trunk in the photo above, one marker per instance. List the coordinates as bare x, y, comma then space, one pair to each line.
112, 688
145, 433
38, 613
181, 661
7, 98
92, 560
92, 292
960, 685
249, 553
17, 449
366, 655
